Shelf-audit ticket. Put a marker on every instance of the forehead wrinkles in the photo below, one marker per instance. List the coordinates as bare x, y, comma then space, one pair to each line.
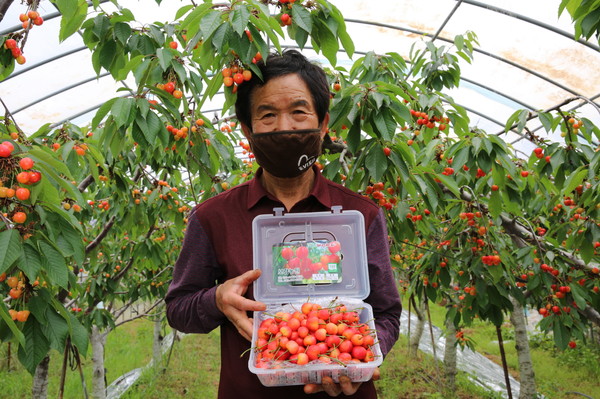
273, 107
281, 92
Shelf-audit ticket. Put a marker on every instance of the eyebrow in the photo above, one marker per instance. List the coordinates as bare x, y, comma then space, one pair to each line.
269, 107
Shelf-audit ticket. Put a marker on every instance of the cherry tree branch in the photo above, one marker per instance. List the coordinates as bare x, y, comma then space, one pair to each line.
102, 234
145, 314
4, 4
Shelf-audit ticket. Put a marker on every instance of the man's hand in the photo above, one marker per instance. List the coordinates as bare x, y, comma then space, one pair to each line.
230, 300
345, 386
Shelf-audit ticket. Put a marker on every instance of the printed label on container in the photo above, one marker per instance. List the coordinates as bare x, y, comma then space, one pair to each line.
307, 262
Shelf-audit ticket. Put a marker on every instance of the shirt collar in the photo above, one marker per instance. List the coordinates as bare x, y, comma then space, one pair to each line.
256, 191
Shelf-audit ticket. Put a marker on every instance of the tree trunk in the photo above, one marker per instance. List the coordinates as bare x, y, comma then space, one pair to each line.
528, 387
157, 343
98, 340
415, 337
39, 389
450, 356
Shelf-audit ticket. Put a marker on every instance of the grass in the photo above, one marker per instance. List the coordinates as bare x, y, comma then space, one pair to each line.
127, 348
190, 374
187, 375
556, 372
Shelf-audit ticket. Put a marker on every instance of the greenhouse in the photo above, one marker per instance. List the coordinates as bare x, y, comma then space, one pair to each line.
463, 140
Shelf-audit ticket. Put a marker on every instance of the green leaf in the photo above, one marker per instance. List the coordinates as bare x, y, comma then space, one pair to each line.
326, 41
376, 162
54, 264
459, 42
210, 23
353, 137
222, 36
107, 51
56, 329
192, 23
339, 112
239, 19
36, 345
449, 183
154, 126
73, 13
30, 262
301, 17
123, 111
79, 335
580, 295
495, 204
102, 112
561, 334
11, 324
10, 248
547, 120
164, 58
575, 179
122, 32
183, 10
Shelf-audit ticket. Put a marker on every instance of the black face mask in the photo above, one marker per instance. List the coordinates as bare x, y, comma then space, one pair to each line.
286, 153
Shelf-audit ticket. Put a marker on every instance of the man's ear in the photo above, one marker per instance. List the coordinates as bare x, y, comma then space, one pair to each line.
325, 125
246, 130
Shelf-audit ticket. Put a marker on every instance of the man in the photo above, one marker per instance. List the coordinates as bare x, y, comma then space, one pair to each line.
284, 117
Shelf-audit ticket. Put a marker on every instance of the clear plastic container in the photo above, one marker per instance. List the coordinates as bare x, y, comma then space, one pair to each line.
316, 257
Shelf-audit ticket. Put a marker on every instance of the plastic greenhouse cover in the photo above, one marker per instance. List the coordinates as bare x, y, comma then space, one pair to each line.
527, 58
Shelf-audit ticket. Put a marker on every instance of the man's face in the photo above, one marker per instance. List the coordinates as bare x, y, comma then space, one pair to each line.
283, 103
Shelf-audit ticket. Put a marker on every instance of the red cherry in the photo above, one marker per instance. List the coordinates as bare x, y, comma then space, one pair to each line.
387, 151
26, 163
10, 44
22, 193
34, 177
173, 45
169, 87
23, 177
238, 78
4, 151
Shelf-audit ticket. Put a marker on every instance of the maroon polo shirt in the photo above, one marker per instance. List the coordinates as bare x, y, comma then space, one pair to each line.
218, 246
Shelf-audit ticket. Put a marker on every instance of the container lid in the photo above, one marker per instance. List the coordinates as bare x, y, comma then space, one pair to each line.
310, 254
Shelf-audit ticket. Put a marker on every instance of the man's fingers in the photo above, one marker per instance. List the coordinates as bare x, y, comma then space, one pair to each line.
244, 326
247, 278
376, 374
347, 386
330, 387
246, 304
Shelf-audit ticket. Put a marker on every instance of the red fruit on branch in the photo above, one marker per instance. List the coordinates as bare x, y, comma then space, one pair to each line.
22, 193
34, 177
169, 87
10, 44
286, 19
238, 78
4, 151
26, 163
